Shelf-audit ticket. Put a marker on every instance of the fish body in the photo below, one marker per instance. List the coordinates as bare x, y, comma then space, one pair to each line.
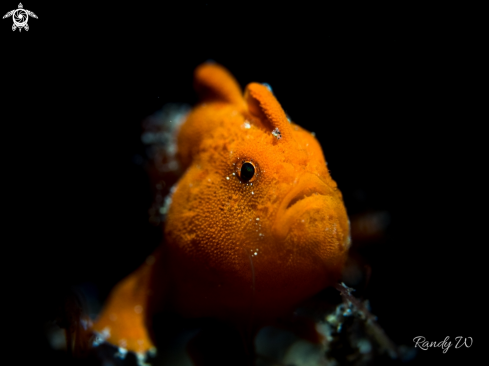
256, 224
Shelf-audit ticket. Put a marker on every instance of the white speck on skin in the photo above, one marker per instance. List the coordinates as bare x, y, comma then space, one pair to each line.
106, 332
252, 192
268, 87
168, 199
141, 358
97, 341
121, 351
233, 173
257, 219
227, 178
246, 125
276, 133
101, 337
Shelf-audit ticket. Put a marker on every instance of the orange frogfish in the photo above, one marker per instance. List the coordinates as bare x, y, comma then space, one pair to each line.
256, 225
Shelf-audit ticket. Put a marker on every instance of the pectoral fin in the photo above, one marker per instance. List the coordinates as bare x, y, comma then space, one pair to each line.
123, 318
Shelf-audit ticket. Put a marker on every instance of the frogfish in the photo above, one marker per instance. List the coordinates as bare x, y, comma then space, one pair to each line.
255, 223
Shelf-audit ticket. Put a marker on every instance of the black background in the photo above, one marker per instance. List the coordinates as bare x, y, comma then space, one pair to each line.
394, 95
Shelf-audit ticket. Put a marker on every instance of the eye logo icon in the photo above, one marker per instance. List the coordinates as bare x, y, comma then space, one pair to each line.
20, 17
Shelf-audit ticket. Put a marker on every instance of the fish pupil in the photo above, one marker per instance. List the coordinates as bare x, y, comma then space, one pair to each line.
247, 171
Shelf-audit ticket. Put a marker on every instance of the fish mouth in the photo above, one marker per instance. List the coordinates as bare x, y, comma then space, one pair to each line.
297, 201
304, 193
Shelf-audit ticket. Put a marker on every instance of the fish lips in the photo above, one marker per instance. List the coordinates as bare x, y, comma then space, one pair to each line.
311, 197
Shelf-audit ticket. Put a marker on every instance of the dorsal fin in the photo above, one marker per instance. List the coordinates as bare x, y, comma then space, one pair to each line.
263, 105
214, 83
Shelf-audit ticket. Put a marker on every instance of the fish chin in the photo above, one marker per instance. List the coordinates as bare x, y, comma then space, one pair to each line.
311, 240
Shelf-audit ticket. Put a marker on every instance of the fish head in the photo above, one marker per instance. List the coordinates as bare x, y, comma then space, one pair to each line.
256, 214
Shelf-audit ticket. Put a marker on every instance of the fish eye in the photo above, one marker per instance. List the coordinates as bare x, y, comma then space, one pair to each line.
247, 171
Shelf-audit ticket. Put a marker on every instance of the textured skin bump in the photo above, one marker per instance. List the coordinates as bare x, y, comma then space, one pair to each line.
214, 83
235, 248
263, 104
